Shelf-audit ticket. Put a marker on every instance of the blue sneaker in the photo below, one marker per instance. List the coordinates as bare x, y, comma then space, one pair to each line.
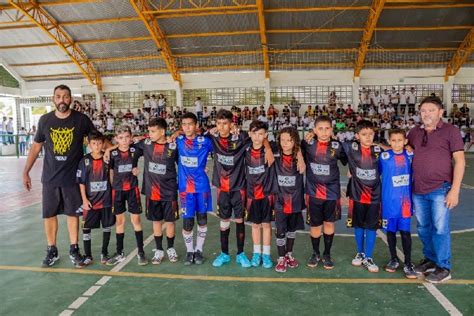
267, 261
221, 260
256, 259
243, 260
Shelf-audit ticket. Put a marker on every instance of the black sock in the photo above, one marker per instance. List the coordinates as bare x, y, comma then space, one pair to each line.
328, 243
73, 248
86, 237
105, 242
392, 244
240, 234
315, 243
159, 242
170, 241
120, 238
406, 244
225, 241
289, 244
139, 238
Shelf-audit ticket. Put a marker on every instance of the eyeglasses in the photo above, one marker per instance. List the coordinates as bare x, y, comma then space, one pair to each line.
424, 141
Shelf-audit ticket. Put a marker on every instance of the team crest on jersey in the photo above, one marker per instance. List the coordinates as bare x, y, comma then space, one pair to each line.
355, 146
377, 149
235, 137
180, 137
385, 155
311, 142
172, 146
200, 139
335, 145
86, 162
114, 153
147, 141
132, 149
409, 153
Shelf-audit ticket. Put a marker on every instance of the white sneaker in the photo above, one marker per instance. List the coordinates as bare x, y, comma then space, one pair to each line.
370, 265
158, 257
357, 261
172, 255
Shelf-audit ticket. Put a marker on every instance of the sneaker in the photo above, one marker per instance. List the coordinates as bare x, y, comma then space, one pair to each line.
104, 258
328, 264
88, 260
291, 262
370, 265
425, 266
142, 261
158, 256
51, 257
357, 261
172, 255
243, 260
115, 259
409, 270
267, 262
392, 265
256, 259
221, 259
76, 259
189, 259
198, 257
439, 275
314, 260
281, 265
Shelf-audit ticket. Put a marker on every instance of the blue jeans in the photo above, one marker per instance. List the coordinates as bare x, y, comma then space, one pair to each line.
433, 225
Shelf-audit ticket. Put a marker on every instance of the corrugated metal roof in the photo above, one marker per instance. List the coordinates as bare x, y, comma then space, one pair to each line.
91, 10
107, 31
426, 17
214, 44
314, 40
314, 20
413, 39
122, 49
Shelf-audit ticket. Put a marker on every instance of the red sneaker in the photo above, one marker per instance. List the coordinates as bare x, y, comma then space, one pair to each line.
281, 264
291, 261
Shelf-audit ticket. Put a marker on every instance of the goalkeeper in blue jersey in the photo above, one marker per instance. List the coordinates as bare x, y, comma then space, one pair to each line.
397, 206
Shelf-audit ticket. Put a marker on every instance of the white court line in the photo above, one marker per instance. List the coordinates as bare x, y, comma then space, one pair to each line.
442, 300
102, 281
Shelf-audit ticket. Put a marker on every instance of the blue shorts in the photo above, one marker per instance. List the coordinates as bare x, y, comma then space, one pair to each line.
192, 203
396, 224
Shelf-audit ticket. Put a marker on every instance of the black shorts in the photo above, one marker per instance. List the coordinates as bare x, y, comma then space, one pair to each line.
228, 202
411, 108
288, 222
366, 216
93, 218
260, 211
61, 200
320, 211
130, 197
157, 211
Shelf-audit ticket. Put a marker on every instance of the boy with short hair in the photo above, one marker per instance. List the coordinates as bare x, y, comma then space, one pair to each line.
363, 191
397, 207
125, 194
260, 179
193, 185
93, 178
323, 188
160, 186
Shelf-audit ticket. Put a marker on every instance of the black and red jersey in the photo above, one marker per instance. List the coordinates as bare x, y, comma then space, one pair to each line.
122, 163
364, 185
159, 170
289, 186
322, 171
259, 176
229, 155
94, 174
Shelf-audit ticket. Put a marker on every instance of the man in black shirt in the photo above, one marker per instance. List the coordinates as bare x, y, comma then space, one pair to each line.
62, 134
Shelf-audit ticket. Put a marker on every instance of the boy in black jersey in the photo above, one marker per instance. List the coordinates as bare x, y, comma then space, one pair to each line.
323, 188
160, 186
93, 178
125, 192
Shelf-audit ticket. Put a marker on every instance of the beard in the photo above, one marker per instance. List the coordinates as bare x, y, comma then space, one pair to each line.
62, 107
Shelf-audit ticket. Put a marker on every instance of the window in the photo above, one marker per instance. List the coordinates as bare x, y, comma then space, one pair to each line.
225, 96
463, 93
315, 95
421, 90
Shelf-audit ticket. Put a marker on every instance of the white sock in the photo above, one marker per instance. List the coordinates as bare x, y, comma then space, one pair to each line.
188, 241
257, 248
266, 250
201, 237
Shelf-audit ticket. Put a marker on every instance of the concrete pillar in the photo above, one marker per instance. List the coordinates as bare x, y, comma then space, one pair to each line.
267, 93
355, 93
179, 95
448, 94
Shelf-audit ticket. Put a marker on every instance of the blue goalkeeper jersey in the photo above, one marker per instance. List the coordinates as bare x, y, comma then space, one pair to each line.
192, 160
396, 184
